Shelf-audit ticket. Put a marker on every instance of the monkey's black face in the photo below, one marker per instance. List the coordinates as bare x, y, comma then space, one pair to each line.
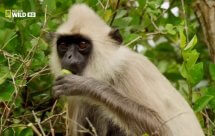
74, 52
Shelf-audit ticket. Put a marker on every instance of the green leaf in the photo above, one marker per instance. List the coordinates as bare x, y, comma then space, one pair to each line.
107, 15
92, 3
162, 66
51, 5
9, 132
183, 71
202, 102
6, 90
165, 47
26, 132
182, 39
212, 71
32, 4
170, 29
142, 3
4, 73
39, 60
190, 58
191, 44
35, 29
211, 91
122, 22
17, 129
169, 26
121, 13
130, 37
195, 73
43, 45
5, 36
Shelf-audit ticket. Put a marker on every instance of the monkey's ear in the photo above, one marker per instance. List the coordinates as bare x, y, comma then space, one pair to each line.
115, 34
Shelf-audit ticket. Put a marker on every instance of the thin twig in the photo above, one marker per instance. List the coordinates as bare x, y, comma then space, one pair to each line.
51, 128
136, 39
34, 129
107, 4
38, 73
101, 4
15, 92
92, 127
115, 13
14, 56
204, 114
3, 114
83, 129
50, 117
155, 26
38, 123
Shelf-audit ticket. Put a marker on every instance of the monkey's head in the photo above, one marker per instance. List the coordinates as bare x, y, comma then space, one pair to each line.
82, 41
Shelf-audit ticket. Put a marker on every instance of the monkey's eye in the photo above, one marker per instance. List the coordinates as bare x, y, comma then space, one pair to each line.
82, 45
62, 46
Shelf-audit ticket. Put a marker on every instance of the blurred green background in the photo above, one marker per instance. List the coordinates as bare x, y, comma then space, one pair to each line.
166, 31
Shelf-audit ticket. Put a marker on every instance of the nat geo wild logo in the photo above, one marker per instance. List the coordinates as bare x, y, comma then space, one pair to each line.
18, 14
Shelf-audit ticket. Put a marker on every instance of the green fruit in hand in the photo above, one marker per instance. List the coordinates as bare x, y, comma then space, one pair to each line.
65, 72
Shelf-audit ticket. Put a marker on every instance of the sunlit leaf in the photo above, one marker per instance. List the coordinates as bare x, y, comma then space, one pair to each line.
202, 102
170, 29
26, 132
190, 58
182, 39
191, 44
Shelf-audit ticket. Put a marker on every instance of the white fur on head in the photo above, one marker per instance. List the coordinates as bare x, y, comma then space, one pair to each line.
84, 21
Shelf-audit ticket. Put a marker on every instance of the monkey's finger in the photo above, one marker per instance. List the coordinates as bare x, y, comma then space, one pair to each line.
57, 91
57, 94
59, 82
60, 77
58, 87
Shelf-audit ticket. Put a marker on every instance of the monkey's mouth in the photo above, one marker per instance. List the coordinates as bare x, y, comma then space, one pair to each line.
74, 71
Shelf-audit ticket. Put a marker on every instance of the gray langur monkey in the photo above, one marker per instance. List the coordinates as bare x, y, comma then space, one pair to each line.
119, 91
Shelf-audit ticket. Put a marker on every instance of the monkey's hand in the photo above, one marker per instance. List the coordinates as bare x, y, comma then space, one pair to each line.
69, 85
108, 96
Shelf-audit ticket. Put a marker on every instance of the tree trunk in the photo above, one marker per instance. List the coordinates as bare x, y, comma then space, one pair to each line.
205, 10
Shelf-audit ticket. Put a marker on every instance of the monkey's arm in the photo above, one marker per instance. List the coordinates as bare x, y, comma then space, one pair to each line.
133, 114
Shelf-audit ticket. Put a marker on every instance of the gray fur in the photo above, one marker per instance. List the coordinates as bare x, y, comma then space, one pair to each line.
138, 118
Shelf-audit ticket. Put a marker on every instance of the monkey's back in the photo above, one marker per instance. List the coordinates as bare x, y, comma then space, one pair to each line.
156, 92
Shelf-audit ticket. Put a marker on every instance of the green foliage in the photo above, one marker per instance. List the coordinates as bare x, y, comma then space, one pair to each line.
170, 29
26, 132
147, 28
7, 91
212, 71
202, 102
192, 71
